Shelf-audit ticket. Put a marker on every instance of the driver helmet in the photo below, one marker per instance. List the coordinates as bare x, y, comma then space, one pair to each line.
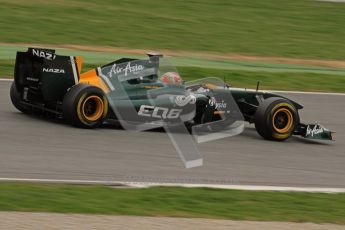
171, 78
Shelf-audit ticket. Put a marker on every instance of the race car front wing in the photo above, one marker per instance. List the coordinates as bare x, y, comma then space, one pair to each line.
314, 131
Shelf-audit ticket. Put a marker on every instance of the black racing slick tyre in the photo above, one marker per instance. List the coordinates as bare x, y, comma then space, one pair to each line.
85, 106
16, 98
276, 119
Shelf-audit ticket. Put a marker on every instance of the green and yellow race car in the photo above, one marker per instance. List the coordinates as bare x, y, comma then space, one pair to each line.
147, 91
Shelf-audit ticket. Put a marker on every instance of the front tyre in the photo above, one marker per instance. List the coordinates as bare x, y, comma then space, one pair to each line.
276, 119
85, 106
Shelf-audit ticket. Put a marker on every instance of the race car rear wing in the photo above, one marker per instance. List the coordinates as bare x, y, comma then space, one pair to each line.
49, 74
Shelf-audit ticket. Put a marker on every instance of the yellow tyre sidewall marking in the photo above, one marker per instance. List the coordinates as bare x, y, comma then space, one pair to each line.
288, 132
289, 123
105, 110
99, 108
80, 112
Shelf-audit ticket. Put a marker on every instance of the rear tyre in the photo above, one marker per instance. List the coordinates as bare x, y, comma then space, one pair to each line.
85, 106
16, 98
276, 119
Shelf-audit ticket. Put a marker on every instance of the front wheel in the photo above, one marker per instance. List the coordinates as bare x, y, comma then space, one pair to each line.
276, 119
85, 106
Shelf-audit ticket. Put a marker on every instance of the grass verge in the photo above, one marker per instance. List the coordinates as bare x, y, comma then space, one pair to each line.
269, 80
174, 202
300, 28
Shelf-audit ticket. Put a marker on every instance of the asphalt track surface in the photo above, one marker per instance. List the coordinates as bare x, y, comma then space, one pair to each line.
34, 147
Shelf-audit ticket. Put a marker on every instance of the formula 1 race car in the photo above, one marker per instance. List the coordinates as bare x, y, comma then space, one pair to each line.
53, 84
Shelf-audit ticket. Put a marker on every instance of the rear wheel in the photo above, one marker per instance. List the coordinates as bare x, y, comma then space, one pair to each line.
85, 106
16, 98
276, 119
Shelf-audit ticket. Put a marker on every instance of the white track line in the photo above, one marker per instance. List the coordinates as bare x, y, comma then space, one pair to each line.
311, 93
5, 79
289, 92
149, 184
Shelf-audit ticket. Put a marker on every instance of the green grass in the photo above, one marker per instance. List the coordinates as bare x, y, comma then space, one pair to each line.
175, 202
270, 80
6, 68
294, 28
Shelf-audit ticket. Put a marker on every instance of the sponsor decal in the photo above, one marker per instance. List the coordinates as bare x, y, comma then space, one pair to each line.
182, 100
43, 54
49, 70
32, 79
314, 131
218, 105
128, 69
159, 112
